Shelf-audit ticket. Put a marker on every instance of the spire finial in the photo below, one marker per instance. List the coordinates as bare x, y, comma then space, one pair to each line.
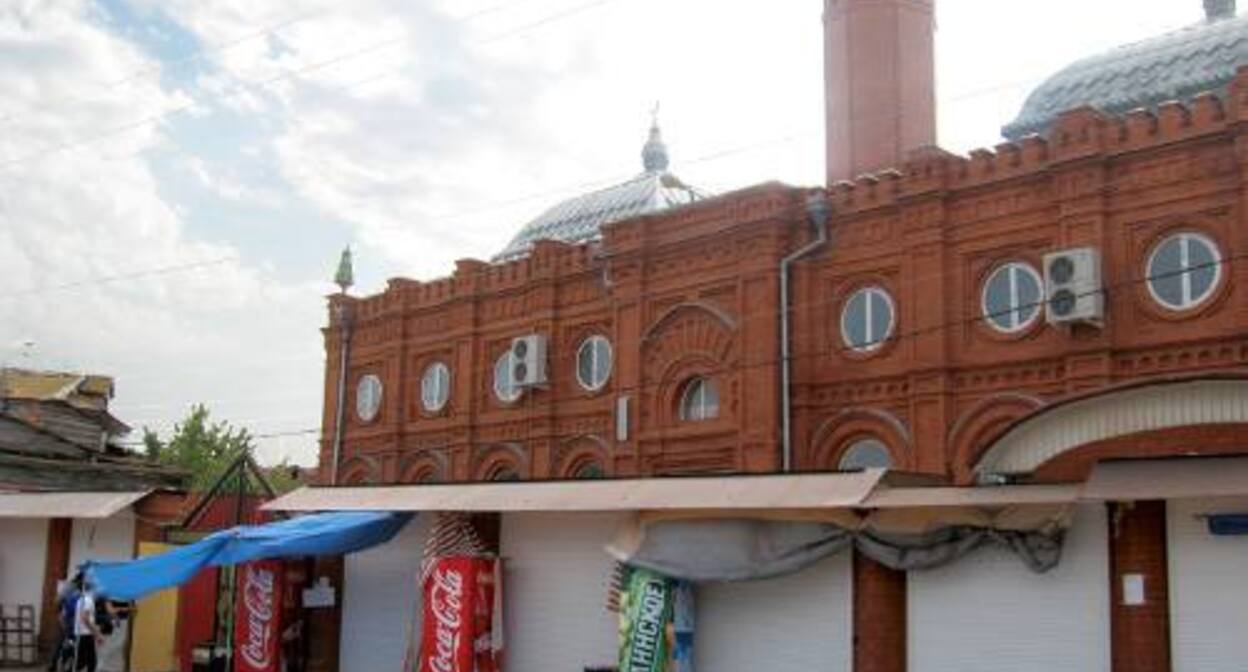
1216, 10
345, 276
654, 154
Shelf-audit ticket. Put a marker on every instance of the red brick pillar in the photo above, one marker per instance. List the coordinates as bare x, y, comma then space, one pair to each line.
879, 617
1139, 629
55, 568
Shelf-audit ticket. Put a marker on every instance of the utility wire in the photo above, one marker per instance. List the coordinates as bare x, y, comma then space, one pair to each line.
106, 279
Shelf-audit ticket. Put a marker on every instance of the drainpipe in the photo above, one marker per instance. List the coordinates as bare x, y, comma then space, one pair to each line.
817, 211
344, 347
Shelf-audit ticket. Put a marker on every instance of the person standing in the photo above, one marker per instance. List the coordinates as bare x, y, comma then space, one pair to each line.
87, 633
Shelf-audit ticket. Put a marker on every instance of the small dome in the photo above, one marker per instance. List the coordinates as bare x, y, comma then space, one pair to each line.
1174, 66
581, 218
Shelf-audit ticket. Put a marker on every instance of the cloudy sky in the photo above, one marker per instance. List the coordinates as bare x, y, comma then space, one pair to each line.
177, 177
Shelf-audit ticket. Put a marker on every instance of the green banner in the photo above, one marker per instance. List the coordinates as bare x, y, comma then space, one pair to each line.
645, 616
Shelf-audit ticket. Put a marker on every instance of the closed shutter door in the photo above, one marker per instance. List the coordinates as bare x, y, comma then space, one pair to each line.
987, 612
379, 601
797, 623
555, 591
1208, 591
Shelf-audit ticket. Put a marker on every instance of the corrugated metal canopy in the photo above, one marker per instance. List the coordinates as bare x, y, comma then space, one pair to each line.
65, 504
1168, 479
791, 491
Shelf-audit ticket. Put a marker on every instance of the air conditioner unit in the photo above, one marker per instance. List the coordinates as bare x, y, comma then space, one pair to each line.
1073, 292
528, 355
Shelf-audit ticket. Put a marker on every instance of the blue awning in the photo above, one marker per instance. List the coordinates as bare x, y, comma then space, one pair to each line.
319, 534
1228, 524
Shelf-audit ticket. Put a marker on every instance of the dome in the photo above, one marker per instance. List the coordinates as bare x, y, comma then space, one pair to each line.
1173, 66
581, 218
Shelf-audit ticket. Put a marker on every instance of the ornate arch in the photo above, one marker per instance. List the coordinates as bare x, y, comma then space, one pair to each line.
689, 339
836, 434
573, 454
1147, 407
424, 466
982, 422
488, 461
360, 470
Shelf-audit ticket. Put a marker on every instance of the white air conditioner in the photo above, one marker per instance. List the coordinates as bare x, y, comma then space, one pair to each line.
528, 360
1073, 292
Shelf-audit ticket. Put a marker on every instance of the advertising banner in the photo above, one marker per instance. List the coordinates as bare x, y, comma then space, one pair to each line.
457, 629
656, 623
258, 616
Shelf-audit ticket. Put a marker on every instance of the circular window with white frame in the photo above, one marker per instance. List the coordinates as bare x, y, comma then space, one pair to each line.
435, 387
1184, 270
1011, 299
368, 398
593, 363
868, 319
505, 386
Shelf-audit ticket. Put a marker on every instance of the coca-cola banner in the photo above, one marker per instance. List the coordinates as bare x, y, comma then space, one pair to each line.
457, 629
258, 616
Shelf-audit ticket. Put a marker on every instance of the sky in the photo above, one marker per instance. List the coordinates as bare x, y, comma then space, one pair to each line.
178, 177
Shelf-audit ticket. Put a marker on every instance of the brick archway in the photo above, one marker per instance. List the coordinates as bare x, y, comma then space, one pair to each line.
836, 434
980, 424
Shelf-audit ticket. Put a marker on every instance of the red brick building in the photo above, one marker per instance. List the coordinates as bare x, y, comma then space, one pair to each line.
1068, 297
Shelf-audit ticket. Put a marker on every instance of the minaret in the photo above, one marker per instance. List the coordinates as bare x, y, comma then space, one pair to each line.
880, 79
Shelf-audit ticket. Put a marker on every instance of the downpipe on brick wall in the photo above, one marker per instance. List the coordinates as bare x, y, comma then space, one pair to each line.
340, 413
817, 211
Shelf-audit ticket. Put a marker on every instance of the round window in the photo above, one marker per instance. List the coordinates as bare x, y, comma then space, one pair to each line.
593, 363
865, 454
700, 400
867, 320
1184, 270
368, 398
1011, 298
435, 387
505, 387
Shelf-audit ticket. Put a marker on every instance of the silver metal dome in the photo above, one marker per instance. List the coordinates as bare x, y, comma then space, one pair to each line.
1174, 66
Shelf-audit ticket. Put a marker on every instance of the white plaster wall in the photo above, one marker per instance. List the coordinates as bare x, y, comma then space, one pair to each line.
802, 622
987, 612
23, 548
1208, 589
103, 539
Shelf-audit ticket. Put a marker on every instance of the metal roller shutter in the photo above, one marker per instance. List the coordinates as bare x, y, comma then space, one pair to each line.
379, 601
987, 612
22, 560
796, 623
1208, 591
555, 589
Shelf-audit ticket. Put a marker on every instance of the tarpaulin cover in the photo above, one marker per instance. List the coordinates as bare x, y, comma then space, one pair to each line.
319, 534
1228, 524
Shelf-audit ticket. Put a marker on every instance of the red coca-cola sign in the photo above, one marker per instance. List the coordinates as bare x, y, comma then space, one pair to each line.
258, 616
458, 614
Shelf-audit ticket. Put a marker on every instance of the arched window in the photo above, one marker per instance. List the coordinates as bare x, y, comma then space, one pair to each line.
1011, 300
868, 319
864, 454
504, 472
368, 398
593, 363
1183, 270
700, 400
505, 387
435, 387
588, 470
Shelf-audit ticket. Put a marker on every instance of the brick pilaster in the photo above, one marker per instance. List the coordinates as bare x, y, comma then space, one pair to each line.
1140, 633
55, 568
879, 617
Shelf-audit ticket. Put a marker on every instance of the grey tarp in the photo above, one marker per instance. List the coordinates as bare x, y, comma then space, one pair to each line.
736, 549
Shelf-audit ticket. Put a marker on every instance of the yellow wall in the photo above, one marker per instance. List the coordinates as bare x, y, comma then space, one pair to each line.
153, 644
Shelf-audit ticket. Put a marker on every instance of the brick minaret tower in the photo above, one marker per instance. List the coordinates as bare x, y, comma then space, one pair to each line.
880, 83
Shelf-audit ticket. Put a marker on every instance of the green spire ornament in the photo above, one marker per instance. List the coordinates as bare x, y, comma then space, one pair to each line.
345, 277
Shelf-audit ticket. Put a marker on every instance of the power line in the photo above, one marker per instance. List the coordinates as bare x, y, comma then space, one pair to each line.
859, 349
151, 272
